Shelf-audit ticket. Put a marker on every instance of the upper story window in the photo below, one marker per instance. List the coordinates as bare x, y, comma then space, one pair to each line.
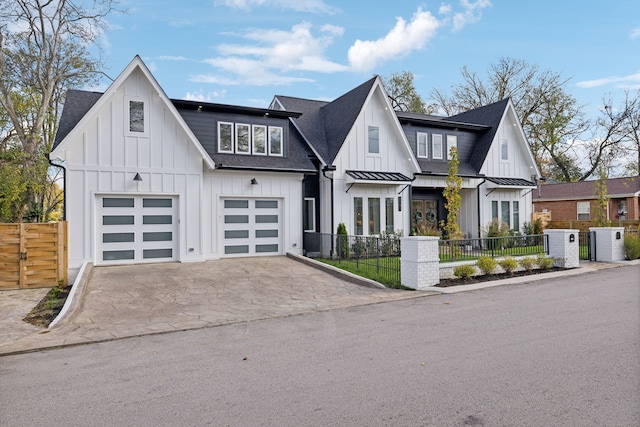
275, 141
504, 149
259, 139
241, 138
374, 140
225, 137
436, 146
137, 116
422, 139
452, 142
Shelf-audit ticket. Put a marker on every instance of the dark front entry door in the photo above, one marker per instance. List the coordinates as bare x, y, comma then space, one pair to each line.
424, 215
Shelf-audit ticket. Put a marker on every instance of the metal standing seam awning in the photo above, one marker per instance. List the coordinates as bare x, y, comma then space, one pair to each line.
377, 178
510, 183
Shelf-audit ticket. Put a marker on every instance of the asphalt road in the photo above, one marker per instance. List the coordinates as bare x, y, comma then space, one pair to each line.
551, 353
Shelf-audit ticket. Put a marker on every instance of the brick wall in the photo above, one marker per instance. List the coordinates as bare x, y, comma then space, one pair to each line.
566, 210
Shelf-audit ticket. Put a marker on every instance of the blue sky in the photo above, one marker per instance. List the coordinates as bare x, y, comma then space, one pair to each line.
243, 52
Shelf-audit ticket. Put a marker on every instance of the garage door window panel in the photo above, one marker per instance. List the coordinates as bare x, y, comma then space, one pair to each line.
157, 219
160, 236
236, 249
118, 255
266, 248
236, 234
157, 253
157, 203
117, 237
266, 219
117, 202
118, 220
262, 234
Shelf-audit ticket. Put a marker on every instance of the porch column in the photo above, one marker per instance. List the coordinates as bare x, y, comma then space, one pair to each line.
419, 261
564, 247
609, 243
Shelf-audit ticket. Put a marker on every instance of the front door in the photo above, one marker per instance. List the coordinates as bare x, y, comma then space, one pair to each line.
424, 216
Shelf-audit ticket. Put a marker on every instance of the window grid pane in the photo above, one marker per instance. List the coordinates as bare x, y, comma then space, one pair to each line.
374, 216
436, 141
357, 216
422, 145
506, 215
389, 214
516, 215
225, 137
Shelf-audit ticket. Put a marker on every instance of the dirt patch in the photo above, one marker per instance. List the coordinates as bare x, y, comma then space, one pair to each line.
445, 283
48, 308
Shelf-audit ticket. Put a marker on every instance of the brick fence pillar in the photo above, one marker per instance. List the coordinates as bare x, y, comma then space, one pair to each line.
609, 243
564, 247
419, 261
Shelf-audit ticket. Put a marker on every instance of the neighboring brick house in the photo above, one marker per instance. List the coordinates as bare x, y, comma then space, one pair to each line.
576, 200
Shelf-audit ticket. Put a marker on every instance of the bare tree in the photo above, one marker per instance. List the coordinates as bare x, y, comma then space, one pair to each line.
43, 51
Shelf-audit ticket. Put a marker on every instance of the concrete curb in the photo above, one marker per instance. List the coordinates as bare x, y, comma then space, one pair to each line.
335, 271
74, 299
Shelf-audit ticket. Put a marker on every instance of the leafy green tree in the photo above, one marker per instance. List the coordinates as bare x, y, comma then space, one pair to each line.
452, 197
602, 201
403, 95
44, 50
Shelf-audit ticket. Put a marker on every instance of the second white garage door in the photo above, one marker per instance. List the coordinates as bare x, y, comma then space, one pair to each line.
251, 227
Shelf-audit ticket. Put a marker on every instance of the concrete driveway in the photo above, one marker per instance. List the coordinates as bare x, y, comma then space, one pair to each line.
124, 301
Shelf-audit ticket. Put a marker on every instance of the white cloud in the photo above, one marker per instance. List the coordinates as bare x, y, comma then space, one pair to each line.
472, 13
632, 81
400, 41
313, 6
172, 58
272, 54
635, 33
214, 96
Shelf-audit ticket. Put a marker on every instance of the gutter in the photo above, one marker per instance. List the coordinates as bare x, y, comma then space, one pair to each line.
64, 186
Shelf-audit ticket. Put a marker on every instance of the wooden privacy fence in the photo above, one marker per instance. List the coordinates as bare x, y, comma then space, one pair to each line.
33, 255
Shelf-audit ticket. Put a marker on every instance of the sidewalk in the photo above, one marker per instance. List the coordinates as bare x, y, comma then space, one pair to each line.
119, 302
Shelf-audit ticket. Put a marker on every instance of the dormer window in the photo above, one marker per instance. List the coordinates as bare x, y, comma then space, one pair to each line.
422, 139
259, 139
242, 139
225, 137
452, 142
436, 146
275, 141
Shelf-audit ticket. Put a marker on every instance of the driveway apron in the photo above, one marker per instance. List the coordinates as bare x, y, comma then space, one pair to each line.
134, 300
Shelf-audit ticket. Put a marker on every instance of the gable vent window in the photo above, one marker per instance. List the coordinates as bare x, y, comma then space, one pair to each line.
504, 149
374, 140
136, 117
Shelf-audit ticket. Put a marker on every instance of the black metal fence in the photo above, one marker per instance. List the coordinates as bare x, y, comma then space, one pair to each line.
467, 249
586, 245
375, 257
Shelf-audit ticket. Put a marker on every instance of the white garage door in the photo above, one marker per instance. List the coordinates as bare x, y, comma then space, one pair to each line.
134, 229
252, 227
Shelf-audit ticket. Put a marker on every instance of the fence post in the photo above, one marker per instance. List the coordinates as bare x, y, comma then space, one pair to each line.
564, 247
419, 261
609, 243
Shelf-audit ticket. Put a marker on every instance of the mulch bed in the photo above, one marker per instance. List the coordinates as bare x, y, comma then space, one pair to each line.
445, 283
48, 308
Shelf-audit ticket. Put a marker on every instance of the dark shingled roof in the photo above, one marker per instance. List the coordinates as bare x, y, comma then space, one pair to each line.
488, 115
326, 124
77, 103
587, 189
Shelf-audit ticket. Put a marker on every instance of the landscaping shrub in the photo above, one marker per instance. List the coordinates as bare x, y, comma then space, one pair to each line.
632, 246
527, 263
544, 262
342, 241
464, 271
508, 264
487, 264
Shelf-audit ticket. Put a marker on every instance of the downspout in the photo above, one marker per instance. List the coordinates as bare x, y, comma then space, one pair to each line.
64, 186
330, 168
478, 206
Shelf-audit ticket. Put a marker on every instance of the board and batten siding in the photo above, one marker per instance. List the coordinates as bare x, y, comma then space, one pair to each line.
394, 156
104, 157
223, 184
